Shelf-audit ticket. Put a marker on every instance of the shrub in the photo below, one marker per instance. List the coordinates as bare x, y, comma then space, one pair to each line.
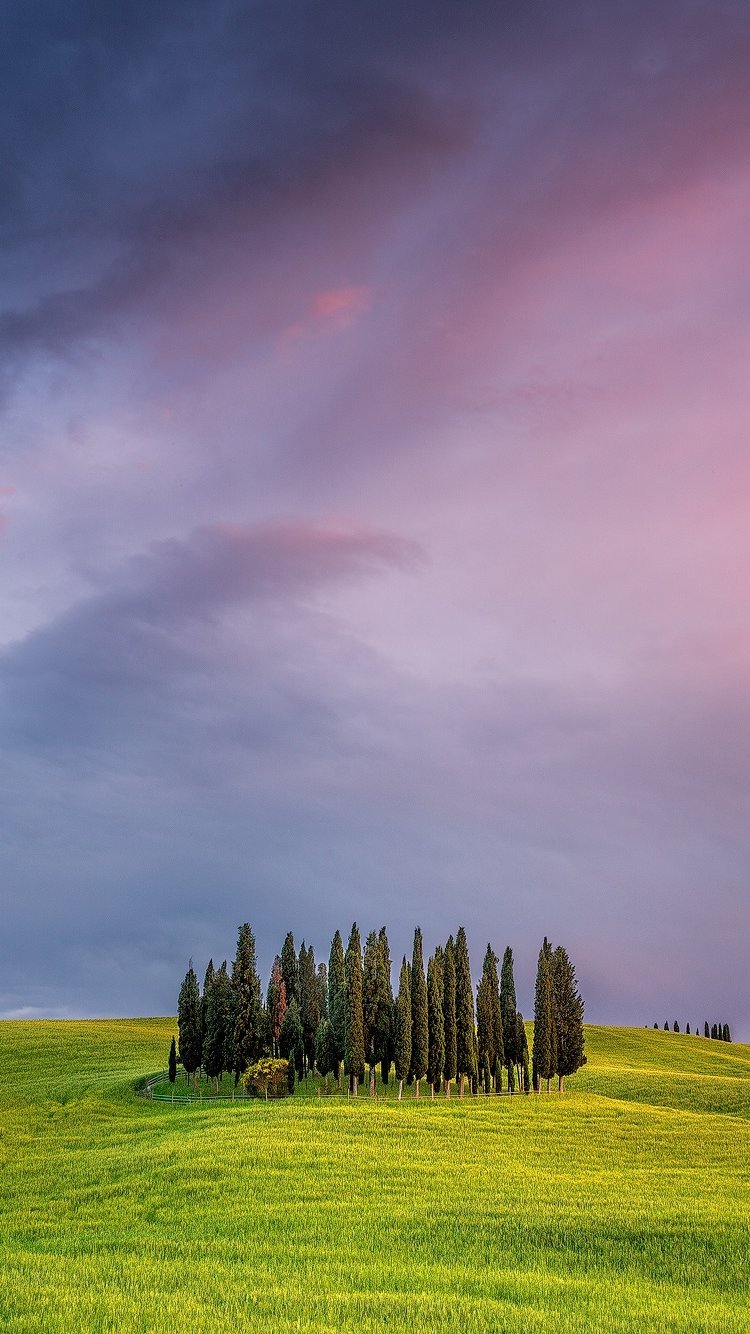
268, 1077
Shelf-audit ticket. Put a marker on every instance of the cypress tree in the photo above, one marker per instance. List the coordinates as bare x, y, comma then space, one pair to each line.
172, 1062
325, 1056
384, 1022
435, 1023
706, 1032
713, 1030
290, 1037
337, 1000
687, 1030
321, 978
449, 1014
189, 1023
495, 1047
419, 1026
276, 1003
309, 1003
726, 1034
245, 1003
354, 1034
543, 1049
290, 1073
217, 1052
207, 980
522, 1046
508, 1009
676, 1026
466, 1063
666, 1025
402, 1035
290, 969
568, 1013
370, 1002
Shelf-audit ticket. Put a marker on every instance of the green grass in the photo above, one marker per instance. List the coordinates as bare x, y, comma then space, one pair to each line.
623, 1205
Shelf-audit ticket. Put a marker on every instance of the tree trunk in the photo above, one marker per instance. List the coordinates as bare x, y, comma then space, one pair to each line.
549, 1080
355, 1082
372, 1081
416, 1088
461, 1086
447, 1088
432, 1091
400, 1088
560, 1083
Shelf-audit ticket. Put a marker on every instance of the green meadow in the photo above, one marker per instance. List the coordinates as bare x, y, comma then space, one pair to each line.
622, 1205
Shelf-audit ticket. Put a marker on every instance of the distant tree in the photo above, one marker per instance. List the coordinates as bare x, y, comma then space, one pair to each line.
290, 1037
384, 1023
321, 978
172, 1062
449, 1014
370, 1004
713, 1031
666, 1025
337, 1000
568, 1015
402, 1035
354, 1033
522, 1047
544, 1053
687, 1029
508, 1009
656, 1025
419, 1017
189, 1023
246, 1038
726, 1034
676, 1026
309, 1003
495, 1034
435, 1023
217, 1048
706, 1030
276, 1003
466, 1045
290, 969
207, 980
325, 1055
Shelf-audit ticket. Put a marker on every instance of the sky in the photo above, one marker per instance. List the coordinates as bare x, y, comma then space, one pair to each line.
375, 492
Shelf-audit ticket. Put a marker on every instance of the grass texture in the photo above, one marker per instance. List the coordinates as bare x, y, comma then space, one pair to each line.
622, 1205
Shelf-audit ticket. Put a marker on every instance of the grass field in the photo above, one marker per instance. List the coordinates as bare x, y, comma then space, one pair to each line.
623, 1205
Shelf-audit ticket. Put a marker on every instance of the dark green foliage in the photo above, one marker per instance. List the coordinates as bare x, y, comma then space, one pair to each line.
290, 969
276, 1002
217, 1046
172, 1062
290, 1073
247, 1037
435, 1022
322, 982
568, 1016
325, 1056
402, 1035
508, 1005
498, 1072
666, 1025
449, 1014
290, 1037
419, 1027
726, 1034
706, 1032
466, 1063
522, 1047
687, 1030
207, 980
490, 1026
337, 999
656, 1025
676, 1026
370, 1003
384, 1023
544, 1053
189, 1023
511, 1078
713, 1031
354, 1031
309, 1002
